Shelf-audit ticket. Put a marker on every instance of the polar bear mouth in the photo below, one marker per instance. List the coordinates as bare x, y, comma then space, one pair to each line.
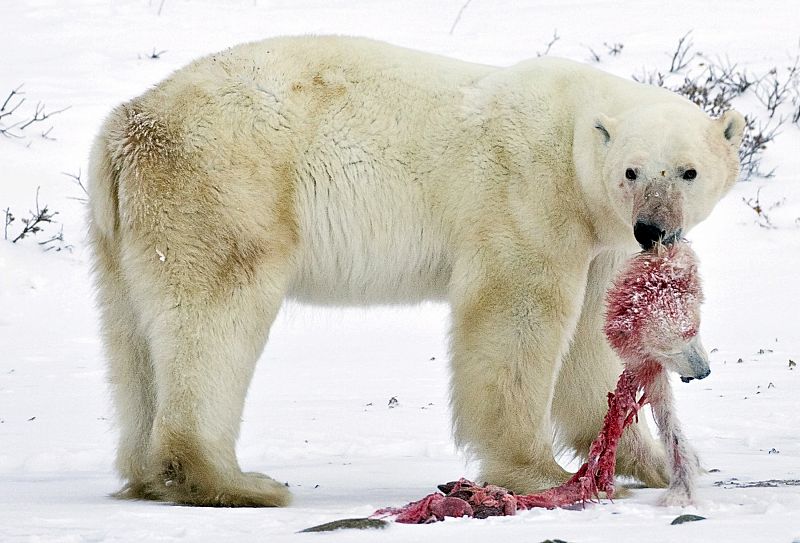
648, 234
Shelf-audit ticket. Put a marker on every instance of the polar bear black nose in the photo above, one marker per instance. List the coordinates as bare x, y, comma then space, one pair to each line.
648, 234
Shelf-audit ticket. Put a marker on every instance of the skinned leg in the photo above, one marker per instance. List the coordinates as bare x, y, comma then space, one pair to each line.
589, 371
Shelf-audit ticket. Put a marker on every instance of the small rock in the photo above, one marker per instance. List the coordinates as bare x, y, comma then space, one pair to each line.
686, 518
348, 523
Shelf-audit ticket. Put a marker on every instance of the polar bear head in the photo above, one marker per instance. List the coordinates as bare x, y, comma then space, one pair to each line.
662, 167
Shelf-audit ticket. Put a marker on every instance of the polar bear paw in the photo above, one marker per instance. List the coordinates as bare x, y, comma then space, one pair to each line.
240, 490
198, 483
525, 478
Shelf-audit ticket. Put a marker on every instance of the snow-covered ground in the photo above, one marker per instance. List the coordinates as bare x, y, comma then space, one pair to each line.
318, 414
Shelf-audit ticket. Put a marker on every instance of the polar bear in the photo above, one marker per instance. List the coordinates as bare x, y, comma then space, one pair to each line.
341, 170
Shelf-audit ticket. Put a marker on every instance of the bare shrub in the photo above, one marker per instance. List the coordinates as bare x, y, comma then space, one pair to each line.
34, 224
773, 91
756, 137
614, 49
13, 123
714, 84
762, 212
550, 44
682, 55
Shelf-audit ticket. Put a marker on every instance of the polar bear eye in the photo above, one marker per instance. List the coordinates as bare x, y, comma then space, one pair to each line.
690, 174
630, 174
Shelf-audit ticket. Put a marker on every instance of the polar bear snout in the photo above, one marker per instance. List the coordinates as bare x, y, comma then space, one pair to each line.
658, 212
648, 233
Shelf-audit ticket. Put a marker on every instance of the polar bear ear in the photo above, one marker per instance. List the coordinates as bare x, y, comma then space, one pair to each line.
732, 124
605, 127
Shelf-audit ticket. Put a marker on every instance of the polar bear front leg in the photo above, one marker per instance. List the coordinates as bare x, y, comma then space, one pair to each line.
508, 333
588, 373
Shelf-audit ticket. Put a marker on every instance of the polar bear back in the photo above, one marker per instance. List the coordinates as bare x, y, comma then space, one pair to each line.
390, 159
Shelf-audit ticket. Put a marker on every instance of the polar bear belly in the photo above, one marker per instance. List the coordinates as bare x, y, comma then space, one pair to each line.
367, 235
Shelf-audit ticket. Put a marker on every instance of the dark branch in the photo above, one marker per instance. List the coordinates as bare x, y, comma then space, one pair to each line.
32, 224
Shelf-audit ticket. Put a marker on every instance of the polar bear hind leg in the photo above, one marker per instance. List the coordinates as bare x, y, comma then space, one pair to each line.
204, 356
189, 289
130, 370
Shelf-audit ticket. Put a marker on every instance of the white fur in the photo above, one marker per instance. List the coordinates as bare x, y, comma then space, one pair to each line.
345, 171
682, 460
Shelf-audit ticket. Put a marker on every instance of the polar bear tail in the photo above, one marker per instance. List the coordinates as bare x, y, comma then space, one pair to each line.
104, 170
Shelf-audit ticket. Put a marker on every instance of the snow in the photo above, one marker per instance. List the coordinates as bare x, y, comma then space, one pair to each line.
318, 415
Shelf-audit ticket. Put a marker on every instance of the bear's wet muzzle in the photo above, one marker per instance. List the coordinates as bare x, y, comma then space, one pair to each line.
648, 234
